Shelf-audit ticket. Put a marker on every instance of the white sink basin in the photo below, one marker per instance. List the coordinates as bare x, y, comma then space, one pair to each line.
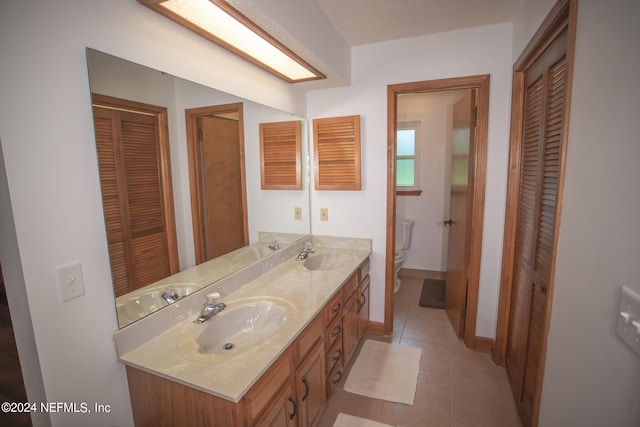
242, 326
327, 261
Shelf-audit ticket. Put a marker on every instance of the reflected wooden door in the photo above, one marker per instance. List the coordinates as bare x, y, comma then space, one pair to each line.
459, 223
222, 185
216, 168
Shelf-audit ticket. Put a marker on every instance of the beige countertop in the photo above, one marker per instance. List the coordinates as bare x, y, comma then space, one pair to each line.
302, 292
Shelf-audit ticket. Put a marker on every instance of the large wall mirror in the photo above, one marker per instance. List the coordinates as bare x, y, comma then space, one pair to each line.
162, 202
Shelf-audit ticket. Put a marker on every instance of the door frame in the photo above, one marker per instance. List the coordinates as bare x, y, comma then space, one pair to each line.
197, 203
481, 83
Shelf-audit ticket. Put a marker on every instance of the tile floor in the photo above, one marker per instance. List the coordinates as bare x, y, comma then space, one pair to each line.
457, 387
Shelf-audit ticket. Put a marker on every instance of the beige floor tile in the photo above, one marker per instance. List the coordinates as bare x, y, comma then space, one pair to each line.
457, 387
352, 404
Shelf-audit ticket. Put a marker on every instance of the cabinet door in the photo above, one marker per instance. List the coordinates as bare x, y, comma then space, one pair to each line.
311, 386
350, 327
363, 303
282, 412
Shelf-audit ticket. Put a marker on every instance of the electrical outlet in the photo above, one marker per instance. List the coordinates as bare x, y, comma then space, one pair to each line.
69, 280
297, 213
324, 214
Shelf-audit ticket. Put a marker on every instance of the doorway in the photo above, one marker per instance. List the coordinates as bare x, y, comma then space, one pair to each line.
215, 145
480, 85
13, 389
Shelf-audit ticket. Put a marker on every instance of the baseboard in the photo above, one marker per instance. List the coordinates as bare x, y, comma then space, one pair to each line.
375, 328
484, 344
423, 274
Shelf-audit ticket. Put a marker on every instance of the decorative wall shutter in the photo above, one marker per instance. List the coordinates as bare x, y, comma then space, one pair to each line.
337, 153
281, 155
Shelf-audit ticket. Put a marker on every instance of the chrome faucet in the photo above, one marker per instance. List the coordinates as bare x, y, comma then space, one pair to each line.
305, 252
274, 246
170, 295
211, 308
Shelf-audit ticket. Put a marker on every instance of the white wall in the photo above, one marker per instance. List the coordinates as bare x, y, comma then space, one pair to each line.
52, 180
483, 50
591, 378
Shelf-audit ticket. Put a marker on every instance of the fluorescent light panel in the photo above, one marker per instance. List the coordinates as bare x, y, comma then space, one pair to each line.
224, 25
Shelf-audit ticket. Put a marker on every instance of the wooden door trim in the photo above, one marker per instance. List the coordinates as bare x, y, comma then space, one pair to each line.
195, 185
562, 15
481, 83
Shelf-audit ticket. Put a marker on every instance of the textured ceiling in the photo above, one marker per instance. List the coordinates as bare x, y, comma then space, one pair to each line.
370, 21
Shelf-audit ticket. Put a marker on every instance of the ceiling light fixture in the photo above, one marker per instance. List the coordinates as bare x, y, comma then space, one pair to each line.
224, 25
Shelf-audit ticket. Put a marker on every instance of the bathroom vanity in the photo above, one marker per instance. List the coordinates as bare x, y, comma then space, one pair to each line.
281, 378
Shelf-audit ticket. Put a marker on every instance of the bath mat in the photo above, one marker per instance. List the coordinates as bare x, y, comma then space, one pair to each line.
345, 420
432, 293
385, 371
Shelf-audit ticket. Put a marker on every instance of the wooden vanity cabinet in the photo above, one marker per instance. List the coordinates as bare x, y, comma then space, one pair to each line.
263, 407
291, 393
363, 303
333, 342
310, 382
282, 413
356, 311
311, 387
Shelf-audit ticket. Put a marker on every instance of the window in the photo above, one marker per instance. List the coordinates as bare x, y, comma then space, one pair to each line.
407, 157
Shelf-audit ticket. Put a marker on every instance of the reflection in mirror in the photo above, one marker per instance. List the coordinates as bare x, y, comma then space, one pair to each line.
215, 142
268, 218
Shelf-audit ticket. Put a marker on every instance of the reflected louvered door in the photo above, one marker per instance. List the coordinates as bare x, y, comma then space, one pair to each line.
542, 141
280, 155
107, 131
133, 198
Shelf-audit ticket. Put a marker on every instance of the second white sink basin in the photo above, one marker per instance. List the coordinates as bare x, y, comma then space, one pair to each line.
327, 261
240, 327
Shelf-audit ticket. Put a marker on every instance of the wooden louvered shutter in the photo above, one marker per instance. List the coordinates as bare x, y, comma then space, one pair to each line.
545, 94
337, 153
281, 155
136, 201
106, 129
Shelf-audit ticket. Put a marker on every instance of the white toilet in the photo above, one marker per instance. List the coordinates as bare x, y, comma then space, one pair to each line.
407, 226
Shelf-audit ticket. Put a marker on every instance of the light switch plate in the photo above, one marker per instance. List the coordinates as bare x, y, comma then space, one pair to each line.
628, 319
324, 214
297, 213
69, 280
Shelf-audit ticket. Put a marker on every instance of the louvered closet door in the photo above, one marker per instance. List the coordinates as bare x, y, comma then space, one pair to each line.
542, 138
132, 195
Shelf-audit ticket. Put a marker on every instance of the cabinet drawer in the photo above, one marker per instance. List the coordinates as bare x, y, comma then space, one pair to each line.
363, 271
334, 306
334, 332
309, 337
334, 355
